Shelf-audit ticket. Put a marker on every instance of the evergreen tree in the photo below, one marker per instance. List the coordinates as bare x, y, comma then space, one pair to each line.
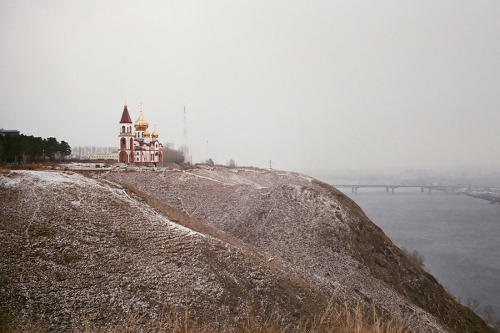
64, 149
27, 149
52, 147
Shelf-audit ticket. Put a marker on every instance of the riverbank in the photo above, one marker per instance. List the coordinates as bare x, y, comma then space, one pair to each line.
492, 197
456, 234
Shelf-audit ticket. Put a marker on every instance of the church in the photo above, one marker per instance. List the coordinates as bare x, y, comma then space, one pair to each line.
139, 146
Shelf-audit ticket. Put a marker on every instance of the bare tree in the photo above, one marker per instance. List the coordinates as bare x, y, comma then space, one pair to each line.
488, 314
415, 257
172, 156
472, 304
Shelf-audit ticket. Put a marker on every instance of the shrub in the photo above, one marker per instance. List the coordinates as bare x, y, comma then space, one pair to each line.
414, 257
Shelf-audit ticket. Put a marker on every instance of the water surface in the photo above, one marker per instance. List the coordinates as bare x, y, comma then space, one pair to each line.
457, 235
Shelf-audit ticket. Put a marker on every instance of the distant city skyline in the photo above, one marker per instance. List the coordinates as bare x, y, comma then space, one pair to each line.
321, 86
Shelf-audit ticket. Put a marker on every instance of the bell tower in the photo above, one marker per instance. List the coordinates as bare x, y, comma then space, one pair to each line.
126, 137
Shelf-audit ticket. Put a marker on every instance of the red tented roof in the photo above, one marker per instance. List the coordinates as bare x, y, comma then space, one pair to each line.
126, 116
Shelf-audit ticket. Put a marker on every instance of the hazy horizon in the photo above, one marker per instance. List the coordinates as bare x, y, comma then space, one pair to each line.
318, 86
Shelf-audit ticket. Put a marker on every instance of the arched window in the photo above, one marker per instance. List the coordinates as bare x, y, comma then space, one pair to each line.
124, 143
123, 129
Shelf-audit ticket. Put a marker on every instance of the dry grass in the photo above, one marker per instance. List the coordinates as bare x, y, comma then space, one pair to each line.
333, 320
359, 320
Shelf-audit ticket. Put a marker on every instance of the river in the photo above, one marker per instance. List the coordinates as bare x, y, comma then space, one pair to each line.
457, 235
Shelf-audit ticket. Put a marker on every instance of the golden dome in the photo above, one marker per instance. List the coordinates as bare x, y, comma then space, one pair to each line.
155, 134
146, 134
141, 124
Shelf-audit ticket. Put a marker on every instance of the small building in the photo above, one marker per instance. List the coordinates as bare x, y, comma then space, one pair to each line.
5, 132
112, 156
140, 146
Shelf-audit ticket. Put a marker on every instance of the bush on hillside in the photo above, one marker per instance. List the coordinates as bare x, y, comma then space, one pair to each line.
415, 257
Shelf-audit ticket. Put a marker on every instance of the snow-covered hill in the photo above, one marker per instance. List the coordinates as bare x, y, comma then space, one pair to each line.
217, 241
316, 229
77, 249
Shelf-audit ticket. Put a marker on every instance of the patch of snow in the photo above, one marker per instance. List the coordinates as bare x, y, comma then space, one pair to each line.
44, 178
208, 178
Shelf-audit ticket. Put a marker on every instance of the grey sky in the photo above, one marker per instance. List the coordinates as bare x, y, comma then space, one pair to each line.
307, 84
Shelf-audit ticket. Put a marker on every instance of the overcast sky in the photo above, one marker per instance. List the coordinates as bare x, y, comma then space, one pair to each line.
310, 85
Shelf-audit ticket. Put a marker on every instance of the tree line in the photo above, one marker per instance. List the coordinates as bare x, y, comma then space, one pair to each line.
27, 149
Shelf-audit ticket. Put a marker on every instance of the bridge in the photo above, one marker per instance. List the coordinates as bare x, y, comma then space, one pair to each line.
429, 188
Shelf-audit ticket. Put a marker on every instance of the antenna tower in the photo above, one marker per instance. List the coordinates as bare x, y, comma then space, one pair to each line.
185, 133
185, 150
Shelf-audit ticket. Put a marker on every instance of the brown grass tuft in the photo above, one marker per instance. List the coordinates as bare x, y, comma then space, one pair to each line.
334, 319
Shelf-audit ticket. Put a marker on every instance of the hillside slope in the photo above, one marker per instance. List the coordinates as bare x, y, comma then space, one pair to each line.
317, 229
78, 250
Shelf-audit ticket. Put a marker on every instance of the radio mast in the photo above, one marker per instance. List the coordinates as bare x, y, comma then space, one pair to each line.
185, 133
185, 147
